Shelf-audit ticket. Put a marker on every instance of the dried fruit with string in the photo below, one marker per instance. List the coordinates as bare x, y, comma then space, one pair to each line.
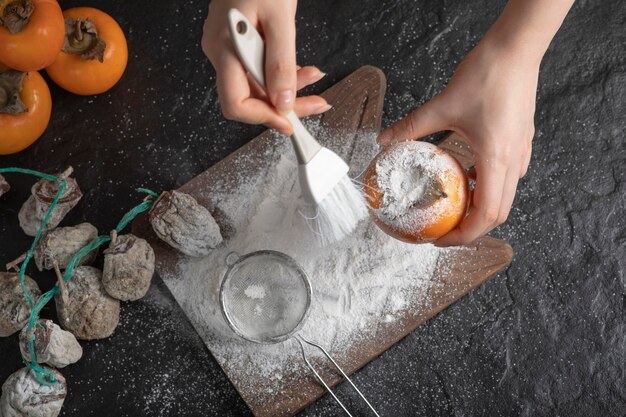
416, 191
25, 108
31, 33
94, 54
14, 306
179, 220
23, 395
4, 186
53, 345
83, 306
60, 244
43, 192
128, 267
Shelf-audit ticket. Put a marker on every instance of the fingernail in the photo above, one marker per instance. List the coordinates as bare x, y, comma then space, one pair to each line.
284, 101
321, 75
324, 108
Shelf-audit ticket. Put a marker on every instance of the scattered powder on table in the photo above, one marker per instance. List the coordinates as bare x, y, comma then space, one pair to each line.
360, 285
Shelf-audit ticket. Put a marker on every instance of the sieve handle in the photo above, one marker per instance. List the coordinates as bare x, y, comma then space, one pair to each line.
301, 339
231, 259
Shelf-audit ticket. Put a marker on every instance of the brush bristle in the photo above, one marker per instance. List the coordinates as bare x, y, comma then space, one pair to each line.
339, 212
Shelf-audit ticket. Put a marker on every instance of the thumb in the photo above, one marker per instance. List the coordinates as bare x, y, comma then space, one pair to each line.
280, 59
423, 121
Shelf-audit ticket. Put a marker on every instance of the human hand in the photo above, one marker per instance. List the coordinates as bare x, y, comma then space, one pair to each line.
490, 101
241, 98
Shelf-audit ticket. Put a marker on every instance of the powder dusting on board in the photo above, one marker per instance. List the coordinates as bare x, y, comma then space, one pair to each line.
366, 281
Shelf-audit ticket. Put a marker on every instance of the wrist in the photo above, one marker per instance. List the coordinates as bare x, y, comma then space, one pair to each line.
526, 27
494, 49
516, 45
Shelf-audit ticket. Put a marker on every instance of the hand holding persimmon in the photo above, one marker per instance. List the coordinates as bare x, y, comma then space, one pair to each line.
416, 191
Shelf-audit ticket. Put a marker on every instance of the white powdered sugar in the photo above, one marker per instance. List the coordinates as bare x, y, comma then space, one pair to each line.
363, 282
403, 185
255, 292
404, 175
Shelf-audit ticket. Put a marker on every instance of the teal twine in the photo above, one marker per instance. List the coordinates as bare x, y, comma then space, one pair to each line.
29, 254
146, 191
42, 375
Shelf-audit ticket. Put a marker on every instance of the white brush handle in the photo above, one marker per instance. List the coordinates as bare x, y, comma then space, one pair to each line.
251, 51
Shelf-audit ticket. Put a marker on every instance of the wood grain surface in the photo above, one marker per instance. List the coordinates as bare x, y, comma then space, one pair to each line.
358, 103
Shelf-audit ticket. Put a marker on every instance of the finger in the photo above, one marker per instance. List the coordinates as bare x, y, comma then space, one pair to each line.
256, 90
526, 160
234, 92
205, 42
508, 195
257, 112
425, 120
280, 59
486, 201
306, 106
307, 76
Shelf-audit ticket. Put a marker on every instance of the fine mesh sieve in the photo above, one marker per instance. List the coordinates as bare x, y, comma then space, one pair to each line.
265, 298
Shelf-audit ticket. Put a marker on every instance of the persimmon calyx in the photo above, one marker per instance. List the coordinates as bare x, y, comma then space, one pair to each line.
81, 38
432, 190
10, 90
15, 14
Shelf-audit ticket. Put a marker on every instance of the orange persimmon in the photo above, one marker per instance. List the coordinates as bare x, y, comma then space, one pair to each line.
94, 55
31, 33
416, 191
25, 107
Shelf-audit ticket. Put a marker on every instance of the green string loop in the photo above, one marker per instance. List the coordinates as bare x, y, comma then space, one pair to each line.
31, 250
42, 375
146, 191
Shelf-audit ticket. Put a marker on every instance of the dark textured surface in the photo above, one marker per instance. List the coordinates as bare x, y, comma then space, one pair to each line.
546, 338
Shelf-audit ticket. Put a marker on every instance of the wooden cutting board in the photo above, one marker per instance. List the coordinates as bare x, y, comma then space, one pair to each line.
358, 103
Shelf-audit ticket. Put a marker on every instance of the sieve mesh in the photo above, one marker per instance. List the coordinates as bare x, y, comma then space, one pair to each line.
265, 296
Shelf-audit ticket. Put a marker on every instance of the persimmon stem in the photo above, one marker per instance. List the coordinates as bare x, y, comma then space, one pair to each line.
10, 92
14, 263
15, 14
81, 38
79, 30
65, 174
61, 281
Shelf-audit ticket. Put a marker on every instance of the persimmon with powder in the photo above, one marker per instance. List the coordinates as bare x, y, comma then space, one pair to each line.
31, 33
94, 54
25, 107
416, 191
